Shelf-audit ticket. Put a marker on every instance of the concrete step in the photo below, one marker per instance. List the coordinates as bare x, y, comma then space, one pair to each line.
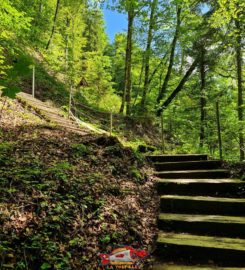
227, 226
202, 187
193, 249
43, 107
62, 121
164, 266
203, 205
220, 173
174, 158
188, 165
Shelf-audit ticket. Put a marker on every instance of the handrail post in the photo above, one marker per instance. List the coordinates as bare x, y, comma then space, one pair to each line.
70, 101
111, 123
33, 81
219, 130
162, 134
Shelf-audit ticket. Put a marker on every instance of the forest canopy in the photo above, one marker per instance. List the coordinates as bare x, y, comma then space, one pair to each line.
181, 60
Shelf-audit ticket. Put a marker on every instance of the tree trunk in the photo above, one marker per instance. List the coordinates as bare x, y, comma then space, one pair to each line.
203, 100
126, 98
54, 23
148, 52
240, 87
179, 87
171, 59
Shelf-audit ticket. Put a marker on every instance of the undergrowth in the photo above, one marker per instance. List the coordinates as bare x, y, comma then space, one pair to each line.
65, 199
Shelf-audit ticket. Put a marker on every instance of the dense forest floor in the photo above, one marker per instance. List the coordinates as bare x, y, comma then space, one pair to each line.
65, 198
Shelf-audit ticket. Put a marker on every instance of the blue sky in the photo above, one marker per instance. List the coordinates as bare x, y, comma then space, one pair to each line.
115, 22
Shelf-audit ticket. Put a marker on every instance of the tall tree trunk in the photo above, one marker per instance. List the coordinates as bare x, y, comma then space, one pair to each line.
179, 87
140, 81
171, 58
54, 23
148, 52
203, 100
126, 98
240, 87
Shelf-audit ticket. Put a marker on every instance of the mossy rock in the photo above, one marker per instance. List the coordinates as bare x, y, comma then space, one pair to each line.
146, 148
106, 141
114, 150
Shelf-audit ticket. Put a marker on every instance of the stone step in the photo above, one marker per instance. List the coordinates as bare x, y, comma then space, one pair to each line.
193, 174
60, 120
202, 187
187, 165
43, 107
174, 158
203, 205
201, 249
51, 113
164, 266
228, 226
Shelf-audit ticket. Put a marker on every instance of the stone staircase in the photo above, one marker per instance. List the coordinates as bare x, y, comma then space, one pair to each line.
51, 114
202, 219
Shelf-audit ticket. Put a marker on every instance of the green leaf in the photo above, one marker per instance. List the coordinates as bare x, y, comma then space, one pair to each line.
10, 92
45, 266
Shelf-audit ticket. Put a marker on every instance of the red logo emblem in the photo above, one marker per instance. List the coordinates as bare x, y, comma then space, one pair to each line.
125, 256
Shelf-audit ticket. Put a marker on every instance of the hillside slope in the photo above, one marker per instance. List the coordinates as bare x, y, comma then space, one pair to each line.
66, 197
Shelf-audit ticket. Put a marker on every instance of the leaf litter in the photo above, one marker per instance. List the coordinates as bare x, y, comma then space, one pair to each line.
65, 198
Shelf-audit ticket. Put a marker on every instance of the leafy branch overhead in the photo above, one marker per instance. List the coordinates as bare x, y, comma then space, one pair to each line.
175, 57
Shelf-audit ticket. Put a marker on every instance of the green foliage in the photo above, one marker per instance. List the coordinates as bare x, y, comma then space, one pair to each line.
81, 60
105, 239
60, 171
80, 150
97, 77
6, 149
45, 266
13, 24
135, 173
227, 11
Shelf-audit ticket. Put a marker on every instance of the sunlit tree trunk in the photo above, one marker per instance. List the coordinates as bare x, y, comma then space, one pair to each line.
203, 100
171, 58
148, 52
240, 87
180, 86
126, 98
54, 23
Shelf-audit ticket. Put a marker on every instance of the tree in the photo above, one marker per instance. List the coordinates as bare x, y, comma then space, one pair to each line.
171, 58
126, 97
239, 64
230, 13
13, 24
152, 25
180, 86
203, 101
54, 23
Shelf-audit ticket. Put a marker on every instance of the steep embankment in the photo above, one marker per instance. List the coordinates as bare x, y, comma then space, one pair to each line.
65, 197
